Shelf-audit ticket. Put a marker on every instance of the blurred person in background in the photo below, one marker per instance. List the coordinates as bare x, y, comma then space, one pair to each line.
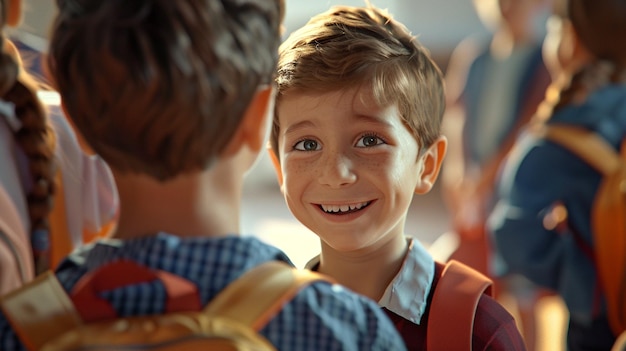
494, 86
542, 221
53, 196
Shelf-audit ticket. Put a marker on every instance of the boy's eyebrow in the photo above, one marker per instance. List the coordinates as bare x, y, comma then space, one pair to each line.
367, 118
300, 125
374, 119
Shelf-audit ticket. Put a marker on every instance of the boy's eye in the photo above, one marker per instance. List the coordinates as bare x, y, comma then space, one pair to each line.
307, 145
369, 141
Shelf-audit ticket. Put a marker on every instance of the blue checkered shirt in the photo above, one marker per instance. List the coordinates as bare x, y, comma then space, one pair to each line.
321, 317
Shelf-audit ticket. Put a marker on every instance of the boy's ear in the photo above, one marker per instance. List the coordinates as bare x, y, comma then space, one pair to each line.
276, 163
14, 13
432, 160
254, 128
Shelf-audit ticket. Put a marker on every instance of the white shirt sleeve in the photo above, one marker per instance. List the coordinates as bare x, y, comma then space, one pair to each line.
90, 193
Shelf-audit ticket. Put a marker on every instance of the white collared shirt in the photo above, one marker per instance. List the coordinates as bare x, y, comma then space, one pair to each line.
407, 294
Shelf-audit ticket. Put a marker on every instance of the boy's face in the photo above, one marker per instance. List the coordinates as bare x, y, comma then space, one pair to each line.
349, 168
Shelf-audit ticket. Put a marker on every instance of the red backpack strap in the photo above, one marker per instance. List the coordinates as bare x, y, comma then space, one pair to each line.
182, 294
256, 297
39, 311
453, 307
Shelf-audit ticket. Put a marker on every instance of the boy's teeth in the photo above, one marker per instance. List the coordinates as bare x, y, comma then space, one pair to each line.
342, 208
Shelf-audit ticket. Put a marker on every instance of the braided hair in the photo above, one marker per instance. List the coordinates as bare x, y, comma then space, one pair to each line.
36, 140
600, 26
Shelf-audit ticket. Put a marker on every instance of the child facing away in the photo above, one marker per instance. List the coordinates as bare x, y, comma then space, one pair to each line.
53, 197
174, 96
356, 134
586, 56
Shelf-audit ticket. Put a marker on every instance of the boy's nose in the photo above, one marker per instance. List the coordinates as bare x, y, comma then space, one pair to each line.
336, 170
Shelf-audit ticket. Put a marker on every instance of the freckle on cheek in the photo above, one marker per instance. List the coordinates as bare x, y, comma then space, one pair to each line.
301, 169
375, 165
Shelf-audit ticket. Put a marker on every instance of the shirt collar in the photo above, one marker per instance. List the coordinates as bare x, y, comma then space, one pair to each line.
407, 294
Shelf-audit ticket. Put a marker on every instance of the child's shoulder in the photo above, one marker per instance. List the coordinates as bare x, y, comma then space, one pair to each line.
334, 308
494, 327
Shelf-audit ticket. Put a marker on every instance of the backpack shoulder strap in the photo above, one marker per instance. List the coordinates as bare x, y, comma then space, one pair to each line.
61, 244
39, 311
586, 144
453, 307
620, 342
257, 296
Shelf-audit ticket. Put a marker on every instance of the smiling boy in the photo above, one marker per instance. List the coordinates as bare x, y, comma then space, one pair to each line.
174, 96
356, 134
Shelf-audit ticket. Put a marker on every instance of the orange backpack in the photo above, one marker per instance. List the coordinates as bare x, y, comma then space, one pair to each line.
45, 318
608, 213
60, 242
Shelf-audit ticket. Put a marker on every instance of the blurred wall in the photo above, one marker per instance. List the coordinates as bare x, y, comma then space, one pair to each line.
37, 18
440, 24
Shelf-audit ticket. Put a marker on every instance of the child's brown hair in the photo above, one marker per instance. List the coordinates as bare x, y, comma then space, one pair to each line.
159, 86
348, 47
600, 25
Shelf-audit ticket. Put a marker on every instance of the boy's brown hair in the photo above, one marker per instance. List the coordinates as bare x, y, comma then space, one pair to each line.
348, 47
159, 86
